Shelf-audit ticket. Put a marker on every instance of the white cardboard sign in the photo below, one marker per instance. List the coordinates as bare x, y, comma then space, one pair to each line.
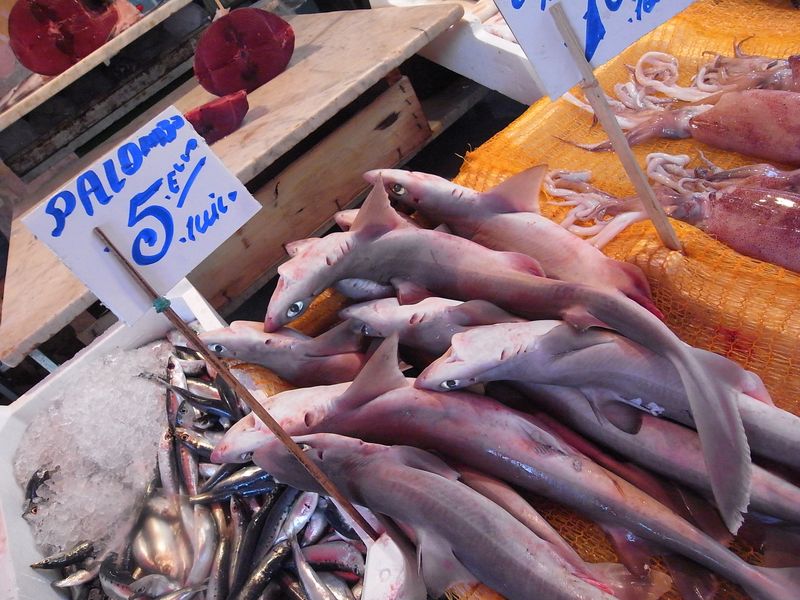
604, 27
162, 198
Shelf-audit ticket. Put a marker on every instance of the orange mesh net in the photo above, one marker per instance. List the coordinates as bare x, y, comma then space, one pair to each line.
712, 297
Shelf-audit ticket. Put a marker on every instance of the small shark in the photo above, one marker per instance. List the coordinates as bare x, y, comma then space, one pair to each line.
380, 248
333, 357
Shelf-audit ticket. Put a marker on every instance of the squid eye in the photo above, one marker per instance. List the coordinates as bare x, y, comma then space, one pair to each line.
245, 456
397, 190
450, 384
217, 348
295, 309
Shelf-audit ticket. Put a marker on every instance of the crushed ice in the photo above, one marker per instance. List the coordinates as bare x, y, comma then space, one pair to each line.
98, 437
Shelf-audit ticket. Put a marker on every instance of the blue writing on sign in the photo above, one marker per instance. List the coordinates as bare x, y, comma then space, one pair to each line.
152, 242
595, 29
200, 223
98, 186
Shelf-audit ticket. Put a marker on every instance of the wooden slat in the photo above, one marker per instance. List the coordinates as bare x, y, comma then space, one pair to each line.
301, 201
102, 54
338, 56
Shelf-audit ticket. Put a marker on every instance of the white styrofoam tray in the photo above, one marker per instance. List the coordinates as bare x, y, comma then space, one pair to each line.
468, 49
17, 550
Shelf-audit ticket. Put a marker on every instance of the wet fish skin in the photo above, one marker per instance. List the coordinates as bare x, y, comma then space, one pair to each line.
448, 518
549, 352
79, 577
338, 556
333, 357
264, 571
185, 593
491, 220
456, 268
240, 516
195, 442
204, 543
338, 522
155, 548
221, 472
31, 490
79, 552
427, 325
315, 589
391, 572
115, 583
154, 585
218, 581
292, 588
298, 516
244, 557
315, 528
337, 587
660, 445
277, 515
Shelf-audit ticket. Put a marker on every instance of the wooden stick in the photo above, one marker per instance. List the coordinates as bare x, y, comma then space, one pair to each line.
221, 368
619, 142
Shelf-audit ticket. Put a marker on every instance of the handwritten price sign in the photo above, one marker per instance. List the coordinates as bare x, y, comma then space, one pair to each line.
162, 197
605, 28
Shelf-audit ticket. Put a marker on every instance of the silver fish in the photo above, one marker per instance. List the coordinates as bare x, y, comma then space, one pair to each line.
315, 589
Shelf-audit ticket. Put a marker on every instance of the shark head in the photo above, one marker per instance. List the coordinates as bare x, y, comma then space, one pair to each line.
294, 410
381, 318
478, 355
318, 265
247, 341
434, 196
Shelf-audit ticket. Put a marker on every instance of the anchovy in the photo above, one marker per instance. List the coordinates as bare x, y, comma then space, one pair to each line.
292, 588
315, 528
339, 523
264, 571
79, 552
229, 397
154, 585
240, 516
184, 593
298, 516
277, 515
195, 442
79, 577
244, 557
218, 582
204, 543
115, 583
255, 488
31, 490
456, 268
155, 548
315, 589
220, 472
335, 556
337, 587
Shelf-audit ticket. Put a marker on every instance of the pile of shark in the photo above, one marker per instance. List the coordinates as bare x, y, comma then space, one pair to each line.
544, 367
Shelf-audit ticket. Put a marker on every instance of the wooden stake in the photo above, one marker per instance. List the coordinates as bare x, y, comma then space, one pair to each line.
241, 391
619, 142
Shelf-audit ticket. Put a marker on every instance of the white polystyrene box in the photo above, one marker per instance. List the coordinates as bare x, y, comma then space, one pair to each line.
17, 550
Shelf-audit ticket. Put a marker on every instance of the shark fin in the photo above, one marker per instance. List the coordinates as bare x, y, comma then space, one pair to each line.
409, 292
518, 193
481, 312
297, 246
340, 339
376, 215
633, 552
439, 567
380, 375
424, 461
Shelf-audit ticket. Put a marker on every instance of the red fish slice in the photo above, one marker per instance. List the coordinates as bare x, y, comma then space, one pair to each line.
49, 36
218, 118
242, 51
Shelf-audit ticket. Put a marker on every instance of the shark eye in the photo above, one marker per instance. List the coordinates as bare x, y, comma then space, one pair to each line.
295, 309
245, 456
365, 330
217, 348
397, 190
450, 384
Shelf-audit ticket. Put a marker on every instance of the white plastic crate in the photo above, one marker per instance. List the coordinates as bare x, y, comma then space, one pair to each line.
17, 550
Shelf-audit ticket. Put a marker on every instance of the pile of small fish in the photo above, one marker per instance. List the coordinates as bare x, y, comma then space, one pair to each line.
213, 531
537, 355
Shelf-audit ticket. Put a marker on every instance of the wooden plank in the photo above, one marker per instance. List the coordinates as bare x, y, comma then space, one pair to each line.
102, 54
301, 201
337, 57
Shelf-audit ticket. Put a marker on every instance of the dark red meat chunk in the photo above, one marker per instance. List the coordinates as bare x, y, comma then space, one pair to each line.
218, 118
49, 36
242, 51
